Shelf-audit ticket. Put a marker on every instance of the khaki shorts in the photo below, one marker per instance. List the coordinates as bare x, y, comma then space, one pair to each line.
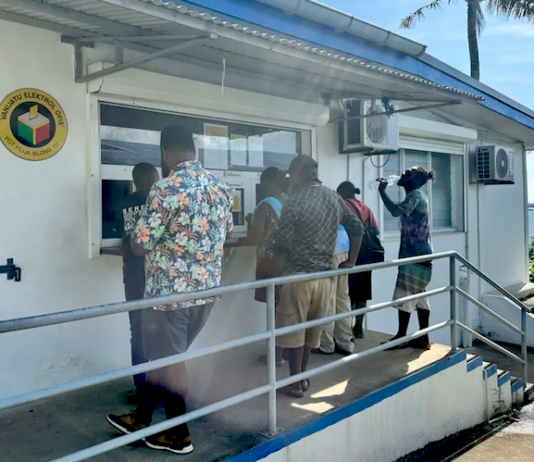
301, 302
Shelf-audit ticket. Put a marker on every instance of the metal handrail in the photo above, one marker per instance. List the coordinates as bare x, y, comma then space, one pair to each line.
271, 333
79, 314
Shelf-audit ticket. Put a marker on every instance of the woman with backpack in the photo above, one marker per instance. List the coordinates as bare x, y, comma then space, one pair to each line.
371, 251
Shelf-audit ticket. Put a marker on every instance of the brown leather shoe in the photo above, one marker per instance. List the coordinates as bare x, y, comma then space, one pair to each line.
168, 442
125, 423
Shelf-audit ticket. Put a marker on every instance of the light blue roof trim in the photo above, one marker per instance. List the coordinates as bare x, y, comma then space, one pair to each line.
349, 59
427, 68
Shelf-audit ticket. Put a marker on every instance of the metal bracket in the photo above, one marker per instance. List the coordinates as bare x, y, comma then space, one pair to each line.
123, 42
12, 271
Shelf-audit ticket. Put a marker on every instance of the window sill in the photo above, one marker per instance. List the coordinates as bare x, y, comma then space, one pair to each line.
115, 251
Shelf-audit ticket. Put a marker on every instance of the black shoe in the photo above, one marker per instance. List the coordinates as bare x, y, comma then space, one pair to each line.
343, 352
167, 442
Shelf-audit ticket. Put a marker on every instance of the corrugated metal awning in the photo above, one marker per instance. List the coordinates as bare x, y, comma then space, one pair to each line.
247, 51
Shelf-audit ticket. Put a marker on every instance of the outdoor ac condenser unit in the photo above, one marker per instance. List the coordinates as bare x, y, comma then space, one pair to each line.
372, 131
495, 165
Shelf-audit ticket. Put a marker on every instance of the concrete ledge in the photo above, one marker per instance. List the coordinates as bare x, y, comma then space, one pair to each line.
276, 444
491, 370
503, 378
474, 363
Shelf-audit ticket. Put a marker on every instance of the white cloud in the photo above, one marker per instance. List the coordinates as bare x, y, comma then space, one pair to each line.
496, 77
511, 30
514, 58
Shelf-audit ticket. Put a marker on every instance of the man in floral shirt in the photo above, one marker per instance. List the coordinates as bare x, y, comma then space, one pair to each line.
182, 233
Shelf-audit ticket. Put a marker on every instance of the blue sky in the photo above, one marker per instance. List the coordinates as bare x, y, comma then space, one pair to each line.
507, 60
506, 46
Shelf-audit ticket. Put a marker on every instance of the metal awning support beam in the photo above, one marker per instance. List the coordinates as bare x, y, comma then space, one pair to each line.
81, 78
399, 111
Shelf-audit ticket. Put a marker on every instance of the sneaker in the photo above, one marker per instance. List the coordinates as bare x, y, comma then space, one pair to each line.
125, 423
167, 442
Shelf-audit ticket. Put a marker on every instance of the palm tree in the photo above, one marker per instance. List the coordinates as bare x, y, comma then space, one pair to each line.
475, 25
519, 9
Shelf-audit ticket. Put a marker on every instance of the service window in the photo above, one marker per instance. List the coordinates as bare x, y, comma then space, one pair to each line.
129, 136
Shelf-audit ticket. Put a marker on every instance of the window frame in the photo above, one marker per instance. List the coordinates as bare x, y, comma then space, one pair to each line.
98, 171
458, 190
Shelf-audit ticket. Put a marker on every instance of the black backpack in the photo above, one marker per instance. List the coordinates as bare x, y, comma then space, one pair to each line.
371, 250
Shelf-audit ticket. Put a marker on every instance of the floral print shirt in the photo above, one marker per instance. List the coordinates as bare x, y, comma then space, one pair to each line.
184, 226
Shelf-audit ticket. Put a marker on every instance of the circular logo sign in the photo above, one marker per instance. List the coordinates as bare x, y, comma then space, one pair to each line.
33, 125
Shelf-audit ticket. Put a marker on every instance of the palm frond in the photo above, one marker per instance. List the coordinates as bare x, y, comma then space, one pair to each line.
418, 15
519, 9
480, 19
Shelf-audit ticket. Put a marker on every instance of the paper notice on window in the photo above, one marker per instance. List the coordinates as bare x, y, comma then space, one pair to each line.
216, 152
238, 150
216, 130
255, 151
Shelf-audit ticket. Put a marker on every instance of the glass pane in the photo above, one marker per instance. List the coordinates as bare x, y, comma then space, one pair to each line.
392, 167
130, 135
442, 191
112, 193
129, 146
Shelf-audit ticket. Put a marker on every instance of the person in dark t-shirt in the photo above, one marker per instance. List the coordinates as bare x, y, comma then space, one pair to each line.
126, 216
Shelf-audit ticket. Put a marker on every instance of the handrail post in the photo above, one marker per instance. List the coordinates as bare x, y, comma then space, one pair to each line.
524, 347
454, 328
271, 358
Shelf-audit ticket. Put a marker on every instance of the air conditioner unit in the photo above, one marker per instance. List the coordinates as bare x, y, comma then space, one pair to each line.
371, 131
495, 165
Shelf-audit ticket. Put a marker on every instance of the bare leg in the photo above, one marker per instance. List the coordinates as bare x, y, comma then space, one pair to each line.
305, 384
424, 322
404, 322
358, 327
296, 358
279, 355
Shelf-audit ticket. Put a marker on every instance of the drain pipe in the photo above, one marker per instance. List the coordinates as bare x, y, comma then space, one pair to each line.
526, 220
346, 23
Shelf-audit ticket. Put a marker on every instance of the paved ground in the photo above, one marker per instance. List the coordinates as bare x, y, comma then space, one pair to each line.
514, 444
45, 430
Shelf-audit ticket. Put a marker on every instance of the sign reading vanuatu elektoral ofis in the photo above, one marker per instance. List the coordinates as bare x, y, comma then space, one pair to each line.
33, 125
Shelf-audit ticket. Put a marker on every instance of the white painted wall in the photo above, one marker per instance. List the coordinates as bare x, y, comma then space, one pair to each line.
45, 208
447, 402
45, 229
